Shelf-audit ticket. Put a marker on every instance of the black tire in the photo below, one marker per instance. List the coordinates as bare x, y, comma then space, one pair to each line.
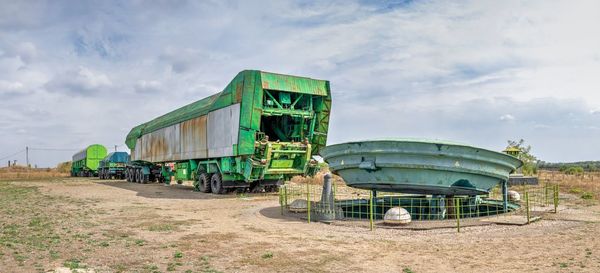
144, 177
203, 183
216, 184
127, 175
138, 174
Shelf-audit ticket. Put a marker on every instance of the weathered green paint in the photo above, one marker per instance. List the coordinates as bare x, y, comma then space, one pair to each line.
283, 122
419, 166
113, 164
86, 161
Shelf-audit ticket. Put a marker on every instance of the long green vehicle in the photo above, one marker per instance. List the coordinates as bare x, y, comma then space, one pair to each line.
85, 162
113, 165
261, 129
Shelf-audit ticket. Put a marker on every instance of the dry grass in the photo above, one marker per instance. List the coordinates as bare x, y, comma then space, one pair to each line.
586, 185
21, 172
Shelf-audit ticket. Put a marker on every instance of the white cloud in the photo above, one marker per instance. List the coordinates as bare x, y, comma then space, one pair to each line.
6, 86
80, 81
436, 69
146, 87
507, 117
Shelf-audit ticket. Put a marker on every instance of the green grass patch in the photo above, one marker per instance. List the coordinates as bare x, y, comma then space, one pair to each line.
575, 190
161, 227
151, 268
267, 255
206, 267
587, 195
171, 267
33, 232
73, 264
407, 270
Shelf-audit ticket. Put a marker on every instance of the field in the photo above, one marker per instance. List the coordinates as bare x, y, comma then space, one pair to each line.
61, 224
23, 173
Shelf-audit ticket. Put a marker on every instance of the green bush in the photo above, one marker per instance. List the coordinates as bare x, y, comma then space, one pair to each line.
587, 195
573, 170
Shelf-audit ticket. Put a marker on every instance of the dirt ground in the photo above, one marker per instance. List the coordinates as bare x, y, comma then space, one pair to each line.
89, 225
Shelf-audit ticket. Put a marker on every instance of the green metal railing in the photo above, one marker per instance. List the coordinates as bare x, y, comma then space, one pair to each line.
352, 204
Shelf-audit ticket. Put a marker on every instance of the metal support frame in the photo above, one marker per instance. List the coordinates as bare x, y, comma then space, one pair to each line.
505, 196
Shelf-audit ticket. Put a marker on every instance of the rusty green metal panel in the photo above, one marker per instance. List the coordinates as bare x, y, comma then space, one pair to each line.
266, 110
282, 82
419, 166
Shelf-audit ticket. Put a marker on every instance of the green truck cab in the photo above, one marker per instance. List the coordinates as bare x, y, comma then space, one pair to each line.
261, 129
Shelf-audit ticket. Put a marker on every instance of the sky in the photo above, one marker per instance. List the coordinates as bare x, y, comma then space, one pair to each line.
73, 73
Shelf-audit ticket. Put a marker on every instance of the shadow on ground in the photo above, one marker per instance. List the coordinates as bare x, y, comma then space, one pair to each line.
275, 213
162, 191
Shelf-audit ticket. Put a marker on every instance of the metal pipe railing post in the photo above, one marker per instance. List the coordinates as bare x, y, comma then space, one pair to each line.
556, 198
308, 202
527, 207
281, 200
371, 209
505, 196
285, 196
457, 212
546, 195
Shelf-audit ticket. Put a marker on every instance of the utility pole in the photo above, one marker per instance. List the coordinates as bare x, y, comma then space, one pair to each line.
115, 148
27, 155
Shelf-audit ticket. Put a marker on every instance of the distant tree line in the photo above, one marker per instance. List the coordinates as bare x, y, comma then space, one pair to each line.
570, 168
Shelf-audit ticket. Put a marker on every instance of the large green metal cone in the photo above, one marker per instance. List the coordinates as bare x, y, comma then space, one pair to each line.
419, 166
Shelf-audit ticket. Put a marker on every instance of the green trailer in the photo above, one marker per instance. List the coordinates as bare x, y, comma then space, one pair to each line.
261, 129
85, 162
113, 166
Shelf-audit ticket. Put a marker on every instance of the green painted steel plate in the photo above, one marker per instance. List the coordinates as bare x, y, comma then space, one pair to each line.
419, 166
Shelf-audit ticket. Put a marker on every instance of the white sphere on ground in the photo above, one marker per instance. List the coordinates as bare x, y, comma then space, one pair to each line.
397, 216
514, 196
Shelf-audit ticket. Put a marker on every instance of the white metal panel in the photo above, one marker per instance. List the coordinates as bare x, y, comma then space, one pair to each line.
80, 155
163, 144
223, 129
136, 153
193, 138
207, 136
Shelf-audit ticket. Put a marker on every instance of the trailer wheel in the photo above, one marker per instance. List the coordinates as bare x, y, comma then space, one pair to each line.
127, 175
216, 184
138, 174
203, 183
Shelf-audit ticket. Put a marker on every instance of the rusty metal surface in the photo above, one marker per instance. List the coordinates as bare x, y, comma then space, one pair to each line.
193, 138
186, 140
182, 141
223, 129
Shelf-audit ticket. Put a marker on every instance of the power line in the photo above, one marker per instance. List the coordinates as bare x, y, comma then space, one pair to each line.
53, 149
5, 157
